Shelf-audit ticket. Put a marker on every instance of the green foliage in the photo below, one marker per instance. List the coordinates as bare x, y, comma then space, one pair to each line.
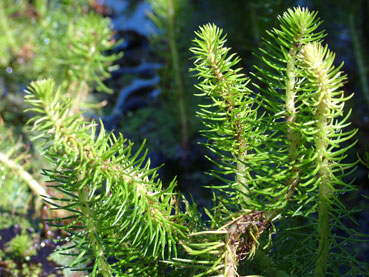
311, 112
87, 39
283, 159
249, 20
117, 204
278, 140
228, 114
64, 40
21, 246
67, 43
170, 16
46, 39
14, 160
65, 260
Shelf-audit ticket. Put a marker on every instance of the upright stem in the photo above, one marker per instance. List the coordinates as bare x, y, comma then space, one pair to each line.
80, 88
242, 169
177, 74
80, 92
360, 59
230, 263
324, 189
237, 126
292, 136
324, 233
314, 57
254, 24
293, 139
92, 235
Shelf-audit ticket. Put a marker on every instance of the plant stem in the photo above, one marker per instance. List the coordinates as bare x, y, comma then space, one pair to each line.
80, 87
92, 235
25, 176
80, 93
316, 63
241, 154
254, 24
242, 169
230, 264
360, 60
292, 136
177, 74
41, 7
324, 189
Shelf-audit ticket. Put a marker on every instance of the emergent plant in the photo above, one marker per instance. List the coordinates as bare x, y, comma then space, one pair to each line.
280, 143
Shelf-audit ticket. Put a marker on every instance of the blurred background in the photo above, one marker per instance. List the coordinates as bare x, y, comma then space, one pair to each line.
149, 94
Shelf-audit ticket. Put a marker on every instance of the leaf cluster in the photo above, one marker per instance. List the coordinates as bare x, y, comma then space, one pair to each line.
118, 208
67, 43
278, 146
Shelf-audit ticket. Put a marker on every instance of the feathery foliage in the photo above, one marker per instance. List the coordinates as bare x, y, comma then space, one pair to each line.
57, 39
232, 133
117, 206
279, 140
279, 148
67, 43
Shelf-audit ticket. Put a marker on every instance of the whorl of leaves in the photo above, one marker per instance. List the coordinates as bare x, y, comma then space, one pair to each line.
117, 207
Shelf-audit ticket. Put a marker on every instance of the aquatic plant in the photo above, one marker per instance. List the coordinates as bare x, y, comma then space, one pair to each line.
67, 43
169, 16
279, 149
278, 141
21, 246
279, 156
34, 48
